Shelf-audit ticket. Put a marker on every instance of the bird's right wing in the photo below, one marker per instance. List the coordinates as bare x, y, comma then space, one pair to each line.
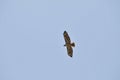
69, 50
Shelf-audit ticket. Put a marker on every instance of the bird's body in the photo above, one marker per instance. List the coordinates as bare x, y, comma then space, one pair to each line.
72, 44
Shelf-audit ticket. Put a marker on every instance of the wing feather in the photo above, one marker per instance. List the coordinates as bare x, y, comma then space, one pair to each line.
66, 37
70, 51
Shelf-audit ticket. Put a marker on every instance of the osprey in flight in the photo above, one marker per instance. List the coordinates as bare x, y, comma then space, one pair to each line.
68, 44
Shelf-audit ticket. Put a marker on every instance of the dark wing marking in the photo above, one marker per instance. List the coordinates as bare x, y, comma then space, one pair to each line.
66, 37
69, 50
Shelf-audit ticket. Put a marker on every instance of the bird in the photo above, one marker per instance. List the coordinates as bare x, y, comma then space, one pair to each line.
68, 44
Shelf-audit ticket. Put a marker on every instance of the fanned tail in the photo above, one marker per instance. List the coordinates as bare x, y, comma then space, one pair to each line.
73, 44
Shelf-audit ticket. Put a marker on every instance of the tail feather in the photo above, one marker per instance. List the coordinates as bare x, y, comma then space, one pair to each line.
73, 44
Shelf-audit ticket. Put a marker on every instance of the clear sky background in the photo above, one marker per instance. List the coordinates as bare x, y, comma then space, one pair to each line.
31, 39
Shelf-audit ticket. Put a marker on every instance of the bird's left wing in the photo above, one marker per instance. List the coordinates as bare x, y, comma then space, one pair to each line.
66, 37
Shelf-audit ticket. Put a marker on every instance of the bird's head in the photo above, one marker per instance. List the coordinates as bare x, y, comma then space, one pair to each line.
64, 44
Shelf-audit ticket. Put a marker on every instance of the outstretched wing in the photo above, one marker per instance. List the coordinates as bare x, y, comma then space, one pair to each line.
70, 51
66, 37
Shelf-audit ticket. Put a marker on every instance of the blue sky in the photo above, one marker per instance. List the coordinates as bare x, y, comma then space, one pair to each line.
31, 39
